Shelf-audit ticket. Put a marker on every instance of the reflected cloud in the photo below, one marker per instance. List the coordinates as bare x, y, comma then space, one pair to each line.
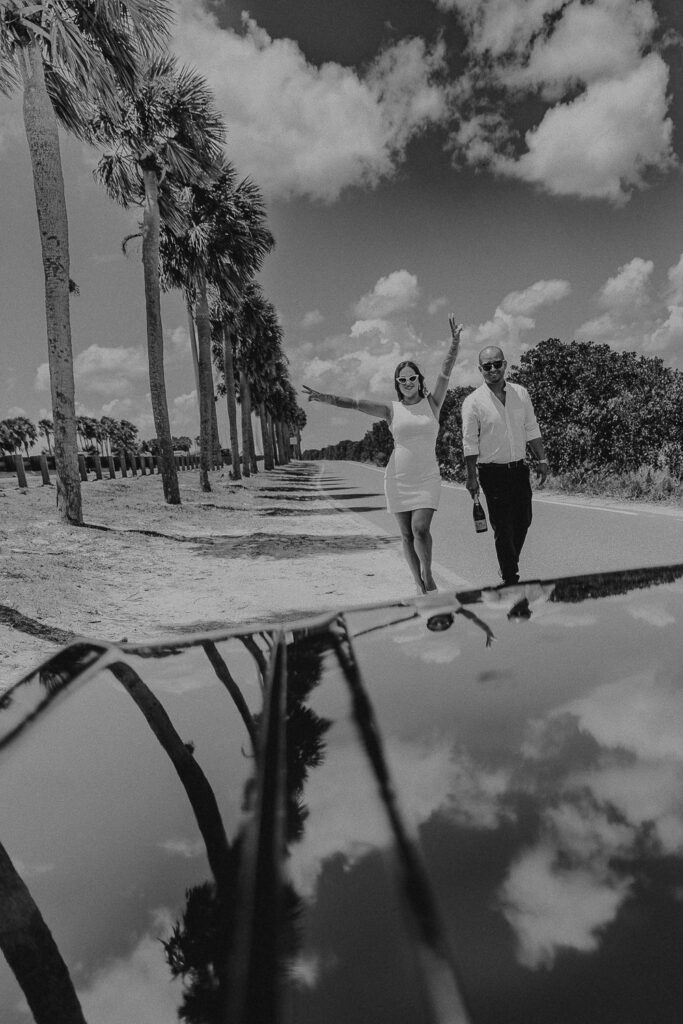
550, 908
344, 819
137, 987
656, 616
186, 848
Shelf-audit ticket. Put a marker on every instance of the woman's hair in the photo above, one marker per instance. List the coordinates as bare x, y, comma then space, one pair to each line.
415, 369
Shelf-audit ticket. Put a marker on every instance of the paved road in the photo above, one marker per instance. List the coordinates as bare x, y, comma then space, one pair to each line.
568, 535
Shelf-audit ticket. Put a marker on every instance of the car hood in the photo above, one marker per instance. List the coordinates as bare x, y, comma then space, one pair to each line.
467, 807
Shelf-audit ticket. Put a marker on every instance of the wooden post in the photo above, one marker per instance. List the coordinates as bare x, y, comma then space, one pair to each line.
142, 463
21, 472
112, 467
82, 468
122, 463
44, 470
98, 466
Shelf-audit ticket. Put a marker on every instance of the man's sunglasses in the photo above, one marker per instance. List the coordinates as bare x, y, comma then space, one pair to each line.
495, 365
407, 380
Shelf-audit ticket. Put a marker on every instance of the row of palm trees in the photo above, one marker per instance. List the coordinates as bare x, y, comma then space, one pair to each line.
99, 68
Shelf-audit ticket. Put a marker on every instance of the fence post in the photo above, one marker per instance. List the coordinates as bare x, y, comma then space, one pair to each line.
45, 472
122, 463
82, 468
98, 466
21, 472
112, 467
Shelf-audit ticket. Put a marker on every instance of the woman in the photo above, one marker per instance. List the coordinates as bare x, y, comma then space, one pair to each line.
412, 482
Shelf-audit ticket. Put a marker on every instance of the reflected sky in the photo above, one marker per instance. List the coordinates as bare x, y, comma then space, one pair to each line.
538, 762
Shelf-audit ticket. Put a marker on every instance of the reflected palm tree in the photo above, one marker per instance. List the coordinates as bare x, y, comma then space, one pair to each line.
32, 954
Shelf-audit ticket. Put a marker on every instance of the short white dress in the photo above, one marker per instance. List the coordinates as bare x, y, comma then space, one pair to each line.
412, 479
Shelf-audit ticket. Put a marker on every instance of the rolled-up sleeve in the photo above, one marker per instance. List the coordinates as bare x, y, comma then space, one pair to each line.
531, 427
470, 428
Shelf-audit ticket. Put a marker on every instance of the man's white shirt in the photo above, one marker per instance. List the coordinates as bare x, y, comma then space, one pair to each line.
497, 432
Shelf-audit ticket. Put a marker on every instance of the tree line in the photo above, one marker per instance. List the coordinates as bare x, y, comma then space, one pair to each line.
103, 436
600, 412
101, 71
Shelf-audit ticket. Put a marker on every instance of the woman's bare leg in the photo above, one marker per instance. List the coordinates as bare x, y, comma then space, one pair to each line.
404, 520
422, 544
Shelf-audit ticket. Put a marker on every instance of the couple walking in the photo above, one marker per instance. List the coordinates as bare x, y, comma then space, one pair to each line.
498, 423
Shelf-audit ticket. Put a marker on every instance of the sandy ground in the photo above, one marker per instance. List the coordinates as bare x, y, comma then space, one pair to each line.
254, 550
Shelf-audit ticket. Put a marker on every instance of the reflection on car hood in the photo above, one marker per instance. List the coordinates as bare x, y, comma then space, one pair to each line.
463, 808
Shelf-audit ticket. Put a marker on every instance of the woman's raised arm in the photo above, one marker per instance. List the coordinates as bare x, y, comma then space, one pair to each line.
377, 409
441, 386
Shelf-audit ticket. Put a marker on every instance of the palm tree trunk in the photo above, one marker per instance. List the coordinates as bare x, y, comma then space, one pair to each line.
265, 435
203, 321
32, 954
229, 372
215, 439
40, 124
245, 406
155, 337
276, 444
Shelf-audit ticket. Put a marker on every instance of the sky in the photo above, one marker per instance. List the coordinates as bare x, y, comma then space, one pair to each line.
515, 162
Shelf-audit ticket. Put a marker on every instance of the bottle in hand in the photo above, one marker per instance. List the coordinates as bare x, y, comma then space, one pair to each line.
479, 517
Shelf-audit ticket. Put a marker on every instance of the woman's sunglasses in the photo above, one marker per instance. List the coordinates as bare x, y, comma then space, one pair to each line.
407, 380
495, 365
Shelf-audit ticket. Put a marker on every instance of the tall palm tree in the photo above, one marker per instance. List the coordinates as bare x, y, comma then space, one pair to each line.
225, 241
59, 52
167, 130
46, 428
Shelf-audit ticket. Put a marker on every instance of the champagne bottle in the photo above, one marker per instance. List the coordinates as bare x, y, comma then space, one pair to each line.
479, 517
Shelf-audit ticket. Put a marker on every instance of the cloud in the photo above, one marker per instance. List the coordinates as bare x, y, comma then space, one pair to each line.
508, 326
341, 800
628, 287
105, 371
306, 130
636, 315
600, 144
312, 319
605, 127
435, 305
550, 908
394, 293
137, 987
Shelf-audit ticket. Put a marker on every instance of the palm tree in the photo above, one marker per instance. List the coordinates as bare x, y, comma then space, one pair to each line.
46, 427
60, 52
224, 244
27, 431
166, 130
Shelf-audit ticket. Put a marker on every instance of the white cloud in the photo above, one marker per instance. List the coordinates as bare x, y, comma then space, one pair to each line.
394, 293
435, 305
606, 126
341, 801
16, 410
600, 144
138, 987
105, 371
508, 326
628, 287
636, 316
312, 319
550, 908
300, 129
536, 295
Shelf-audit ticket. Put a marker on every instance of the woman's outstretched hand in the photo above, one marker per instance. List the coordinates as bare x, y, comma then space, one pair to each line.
456, 328
313, 395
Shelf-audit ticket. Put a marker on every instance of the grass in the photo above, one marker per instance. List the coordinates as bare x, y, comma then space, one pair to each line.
644, 484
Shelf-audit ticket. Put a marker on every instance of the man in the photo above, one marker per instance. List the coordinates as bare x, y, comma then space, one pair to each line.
498, 423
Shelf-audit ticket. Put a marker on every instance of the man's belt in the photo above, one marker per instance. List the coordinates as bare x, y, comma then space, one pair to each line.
502, 465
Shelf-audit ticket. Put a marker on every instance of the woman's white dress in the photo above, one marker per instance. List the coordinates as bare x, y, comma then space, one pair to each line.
412, 479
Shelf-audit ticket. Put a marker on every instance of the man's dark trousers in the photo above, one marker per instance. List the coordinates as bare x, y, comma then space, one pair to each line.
507, 490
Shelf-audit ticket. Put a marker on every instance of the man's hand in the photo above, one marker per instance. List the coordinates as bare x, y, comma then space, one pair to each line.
456, 328
541, 471
313, 395
472, 485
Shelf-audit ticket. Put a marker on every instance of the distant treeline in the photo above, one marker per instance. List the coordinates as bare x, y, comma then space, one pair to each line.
600, 411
